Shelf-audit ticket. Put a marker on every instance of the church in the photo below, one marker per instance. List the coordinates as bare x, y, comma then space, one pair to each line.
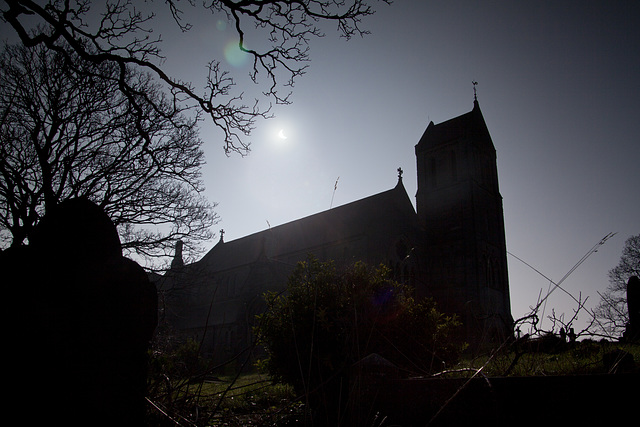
451, 248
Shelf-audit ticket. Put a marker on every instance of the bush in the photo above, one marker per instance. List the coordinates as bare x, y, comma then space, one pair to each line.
180, 361
327, 320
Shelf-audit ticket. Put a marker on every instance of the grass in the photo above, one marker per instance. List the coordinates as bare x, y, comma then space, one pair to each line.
245, 393
580, 358
249, 399
254, 399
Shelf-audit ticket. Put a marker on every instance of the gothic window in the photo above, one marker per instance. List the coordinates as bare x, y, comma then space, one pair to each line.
493, 276
229, 338
220, 287
489, 272
487, 170
434, 181
454, 167
232, 285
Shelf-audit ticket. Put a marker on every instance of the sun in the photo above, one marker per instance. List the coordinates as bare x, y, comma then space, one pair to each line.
281, 134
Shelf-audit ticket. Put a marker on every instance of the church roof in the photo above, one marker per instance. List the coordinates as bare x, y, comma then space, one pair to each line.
371, 216
467, 126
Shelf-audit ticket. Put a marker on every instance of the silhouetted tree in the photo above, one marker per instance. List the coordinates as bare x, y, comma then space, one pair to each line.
117, 33
612, 312
68, 130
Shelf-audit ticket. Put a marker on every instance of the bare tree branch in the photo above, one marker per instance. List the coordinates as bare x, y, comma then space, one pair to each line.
117, 32
68, 130
612, 311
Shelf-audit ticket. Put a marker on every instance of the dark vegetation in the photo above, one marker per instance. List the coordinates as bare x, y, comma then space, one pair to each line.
612, 313
550, 355
335, 318
193, 394
327, 322
331, 337
66, 131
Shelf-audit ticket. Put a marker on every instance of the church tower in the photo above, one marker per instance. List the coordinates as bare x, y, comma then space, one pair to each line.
459, 208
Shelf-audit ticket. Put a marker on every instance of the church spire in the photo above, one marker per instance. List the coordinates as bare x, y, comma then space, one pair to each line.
475, 94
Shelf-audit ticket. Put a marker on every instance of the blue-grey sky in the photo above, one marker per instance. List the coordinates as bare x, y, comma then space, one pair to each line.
559, 88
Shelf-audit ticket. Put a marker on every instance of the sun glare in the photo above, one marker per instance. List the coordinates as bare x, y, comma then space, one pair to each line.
281, 133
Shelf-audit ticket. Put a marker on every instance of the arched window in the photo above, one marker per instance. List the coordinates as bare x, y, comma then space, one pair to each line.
454, 167
433, 171
489, 273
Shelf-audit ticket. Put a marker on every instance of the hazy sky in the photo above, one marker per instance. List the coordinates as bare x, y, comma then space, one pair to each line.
559, 88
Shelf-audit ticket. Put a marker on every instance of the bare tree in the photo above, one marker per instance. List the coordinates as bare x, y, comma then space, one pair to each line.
533, 320
68, 130
611, 312
118, 33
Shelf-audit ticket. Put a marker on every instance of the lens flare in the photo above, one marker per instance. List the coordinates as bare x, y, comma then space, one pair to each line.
385, 302
234, 55
221, 25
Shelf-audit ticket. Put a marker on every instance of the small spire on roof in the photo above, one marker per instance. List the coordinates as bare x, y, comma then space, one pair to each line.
399, 174
177, 261
475, 94
222, 235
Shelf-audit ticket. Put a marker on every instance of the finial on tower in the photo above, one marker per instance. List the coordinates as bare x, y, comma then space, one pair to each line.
222, 235
475, 94
399, 174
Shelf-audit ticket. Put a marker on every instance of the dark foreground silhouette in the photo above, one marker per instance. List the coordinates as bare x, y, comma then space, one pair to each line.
81, 319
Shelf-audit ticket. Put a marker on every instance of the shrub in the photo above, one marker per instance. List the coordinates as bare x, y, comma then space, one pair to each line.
327, 320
